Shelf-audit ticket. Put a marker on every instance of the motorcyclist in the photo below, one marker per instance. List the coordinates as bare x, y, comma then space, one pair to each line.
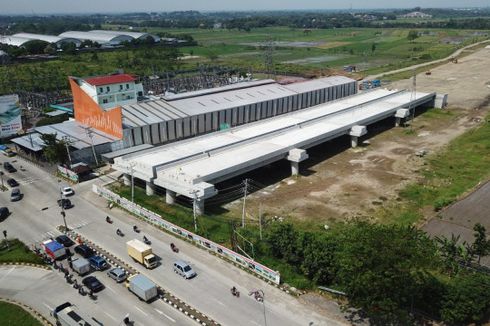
145, 239
118, 232
108, 219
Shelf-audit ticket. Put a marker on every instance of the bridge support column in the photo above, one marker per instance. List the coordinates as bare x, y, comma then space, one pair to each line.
355, 133
401, 114
199, 206
296, 155
170, 197
353, 141
150, 188
126, 179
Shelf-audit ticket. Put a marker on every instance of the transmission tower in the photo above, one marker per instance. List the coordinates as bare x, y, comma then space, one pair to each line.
268, 58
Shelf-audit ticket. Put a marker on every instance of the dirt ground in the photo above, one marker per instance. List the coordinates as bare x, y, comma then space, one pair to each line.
338, 182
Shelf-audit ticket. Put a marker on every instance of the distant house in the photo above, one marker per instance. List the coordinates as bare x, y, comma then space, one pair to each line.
415, 14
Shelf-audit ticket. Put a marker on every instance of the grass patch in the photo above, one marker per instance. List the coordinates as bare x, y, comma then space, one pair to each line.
447, 175
12, 314
17, 252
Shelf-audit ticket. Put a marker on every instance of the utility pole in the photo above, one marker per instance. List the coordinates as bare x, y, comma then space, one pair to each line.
66, 140
260, 221
194, 213
89, 132
413, 96
244, 202
63, 214
132, 183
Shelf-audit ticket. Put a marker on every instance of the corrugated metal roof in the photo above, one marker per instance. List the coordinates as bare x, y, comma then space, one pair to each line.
221, 98
96, 37
111, 79
136, 35
14, 40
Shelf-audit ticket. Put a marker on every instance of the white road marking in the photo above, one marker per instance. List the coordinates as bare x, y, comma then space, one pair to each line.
144, 313
10, 271
110, 289
162, 313
110, 316
50, 309
221, 303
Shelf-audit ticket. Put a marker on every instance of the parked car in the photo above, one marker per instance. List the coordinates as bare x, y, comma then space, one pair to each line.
15, 195
84, 251
8, 152
65, 241
9, 167
92, 283
117, 274
65, 203
183, 269
12, 183
67, 191
4, 213
98, 263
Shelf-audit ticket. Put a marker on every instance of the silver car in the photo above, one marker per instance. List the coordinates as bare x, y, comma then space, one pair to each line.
184, 269
117, 274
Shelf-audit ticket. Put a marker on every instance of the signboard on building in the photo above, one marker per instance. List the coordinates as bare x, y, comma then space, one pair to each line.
10, 115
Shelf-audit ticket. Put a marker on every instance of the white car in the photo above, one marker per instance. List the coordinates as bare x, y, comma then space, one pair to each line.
67, 191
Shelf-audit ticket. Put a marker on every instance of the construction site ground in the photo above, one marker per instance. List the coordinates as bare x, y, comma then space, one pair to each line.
339, 183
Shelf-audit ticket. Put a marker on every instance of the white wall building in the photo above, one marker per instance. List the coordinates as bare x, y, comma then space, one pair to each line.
112, 91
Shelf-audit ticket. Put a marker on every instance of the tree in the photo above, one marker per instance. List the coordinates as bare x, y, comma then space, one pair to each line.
383, 269
467, 299
412, 35
50, 49
94, 57
54, 150
35, 46
451, 252
373, 47
282, 239
481, 246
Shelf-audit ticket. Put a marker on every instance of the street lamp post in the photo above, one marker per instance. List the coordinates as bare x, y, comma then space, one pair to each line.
132, 183
63, 214
1, 176
263, 303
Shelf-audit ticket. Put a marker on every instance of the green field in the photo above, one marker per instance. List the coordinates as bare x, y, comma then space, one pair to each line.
17, 252
333, 48
13, 315
321, 52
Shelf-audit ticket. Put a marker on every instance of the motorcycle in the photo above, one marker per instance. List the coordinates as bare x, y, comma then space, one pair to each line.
135, 229
92, 296
108, 219
235, 292
174, 248
146, 241
119, 233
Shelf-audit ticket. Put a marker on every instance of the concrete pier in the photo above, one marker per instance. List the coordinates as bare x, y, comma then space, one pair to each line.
296, 155
355, 133
150, 188
199, 206
170, 197
127, 179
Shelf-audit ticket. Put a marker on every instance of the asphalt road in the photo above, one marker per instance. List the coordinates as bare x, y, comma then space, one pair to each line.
43, 290
35, 217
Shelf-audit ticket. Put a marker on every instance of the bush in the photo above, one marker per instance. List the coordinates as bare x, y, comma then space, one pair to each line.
467, 299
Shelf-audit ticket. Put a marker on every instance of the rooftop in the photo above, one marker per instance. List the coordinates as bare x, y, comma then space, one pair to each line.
108, 80
217, 99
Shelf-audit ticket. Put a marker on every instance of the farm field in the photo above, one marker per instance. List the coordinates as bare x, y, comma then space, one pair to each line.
310, 53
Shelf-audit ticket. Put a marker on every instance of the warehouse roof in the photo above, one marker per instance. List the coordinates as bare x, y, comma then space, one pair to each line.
135, 35
14, 40
155, 111
101, 38
111, 79
76, 134
47, 38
